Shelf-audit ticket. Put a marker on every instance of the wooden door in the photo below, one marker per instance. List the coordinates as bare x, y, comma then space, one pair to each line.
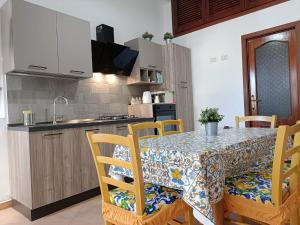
74, 46
46, 167
71, 161
272, 74
34, 38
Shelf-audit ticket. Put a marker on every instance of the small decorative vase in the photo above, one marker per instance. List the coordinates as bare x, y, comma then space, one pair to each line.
148, 39
211, 129
168, 41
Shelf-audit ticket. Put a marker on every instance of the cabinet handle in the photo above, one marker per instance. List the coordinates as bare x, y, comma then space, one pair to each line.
90, 130
76, 72
183, 82
56, 134
183, 86
37, 67
151, 66
120, 127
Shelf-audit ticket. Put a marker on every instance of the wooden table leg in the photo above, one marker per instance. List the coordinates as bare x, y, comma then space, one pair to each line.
218, 211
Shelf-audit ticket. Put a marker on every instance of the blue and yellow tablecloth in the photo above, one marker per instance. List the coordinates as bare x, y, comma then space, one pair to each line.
198, 164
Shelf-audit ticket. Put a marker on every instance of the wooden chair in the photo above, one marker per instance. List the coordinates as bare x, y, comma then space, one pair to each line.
178, 123
138, 128
134, 203
271, 119
270, 197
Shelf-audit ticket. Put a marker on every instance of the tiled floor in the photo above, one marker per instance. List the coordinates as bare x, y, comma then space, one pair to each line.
85, 213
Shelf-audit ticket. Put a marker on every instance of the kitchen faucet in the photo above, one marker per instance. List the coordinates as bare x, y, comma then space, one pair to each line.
54, 106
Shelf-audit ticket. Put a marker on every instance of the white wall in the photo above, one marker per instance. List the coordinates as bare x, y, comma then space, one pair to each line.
220, 84
130, 18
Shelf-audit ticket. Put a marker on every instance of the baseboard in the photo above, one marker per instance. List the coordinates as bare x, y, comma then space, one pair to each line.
34, 214
6, 204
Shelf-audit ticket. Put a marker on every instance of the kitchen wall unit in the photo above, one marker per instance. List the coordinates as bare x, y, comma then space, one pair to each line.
53, 165
188, 16
40, 41
178, 78
148, 63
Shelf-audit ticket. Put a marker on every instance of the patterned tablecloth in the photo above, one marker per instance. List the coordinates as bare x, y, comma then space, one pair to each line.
198, 164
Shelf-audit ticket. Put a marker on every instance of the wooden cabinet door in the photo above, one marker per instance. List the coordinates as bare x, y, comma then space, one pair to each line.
182, 63
46, 150
34, 38
74, 46
184, 106
71, 161
89, 175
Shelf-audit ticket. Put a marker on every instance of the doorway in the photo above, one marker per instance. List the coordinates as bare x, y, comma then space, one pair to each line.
271, 66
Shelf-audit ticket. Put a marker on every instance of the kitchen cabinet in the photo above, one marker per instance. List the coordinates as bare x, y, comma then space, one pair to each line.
34, 38
149, 62
74, 48
46, 163
43, 42
178, 78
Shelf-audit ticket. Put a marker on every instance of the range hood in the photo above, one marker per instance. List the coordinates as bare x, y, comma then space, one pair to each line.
111, 58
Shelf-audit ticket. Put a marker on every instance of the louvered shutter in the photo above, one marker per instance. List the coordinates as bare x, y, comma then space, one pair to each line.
255, 3
187, 14
221, 8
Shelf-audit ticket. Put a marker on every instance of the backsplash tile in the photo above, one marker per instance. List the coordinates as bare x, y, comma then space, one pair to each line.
87, 98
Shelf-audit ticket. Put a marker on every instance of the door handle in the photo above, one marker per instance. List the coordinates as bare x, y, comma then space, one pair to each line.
56, 134
91, 130
256, 100
37, 67
76, 72
121, 127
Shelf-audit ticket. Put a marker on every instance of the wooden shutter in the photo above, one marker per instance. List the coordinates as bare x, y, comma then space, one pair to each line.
187, 14
217, 9
256, 3
191, 15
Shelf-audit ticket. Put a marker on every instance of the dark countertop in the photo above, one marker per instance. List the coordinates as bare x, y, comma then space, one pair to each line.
73, 124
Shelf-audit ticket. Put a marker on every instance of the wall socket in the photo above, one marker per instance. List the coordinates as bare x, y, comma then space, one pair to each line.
213, 60
224, 57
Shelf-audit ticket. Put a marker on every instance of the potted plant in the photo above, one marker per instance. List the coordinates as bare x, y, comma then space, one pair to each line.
168, 37
210, 117
148, 36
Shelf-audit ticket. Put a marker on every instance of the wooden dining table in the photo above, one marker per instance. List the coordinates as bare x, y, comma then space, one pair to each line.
198, 164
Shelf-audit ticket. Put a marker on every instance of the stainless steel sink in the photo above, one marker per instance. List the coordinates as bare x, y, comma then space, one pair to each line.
67, 122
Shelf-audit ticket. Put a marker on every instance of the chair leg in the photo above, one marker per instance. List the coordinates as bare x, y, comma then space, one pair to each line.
107, 223
189, 217
294, 219
218, 211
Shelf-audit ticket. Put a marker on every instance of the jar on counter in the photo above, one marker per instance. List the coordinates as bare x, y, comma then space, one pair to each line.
28, 117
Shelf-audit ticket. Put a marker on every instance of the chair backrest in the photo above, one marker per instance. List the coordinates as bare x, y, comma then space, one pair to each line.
178, 123
135, 129
271, 119
131, 142
281, 154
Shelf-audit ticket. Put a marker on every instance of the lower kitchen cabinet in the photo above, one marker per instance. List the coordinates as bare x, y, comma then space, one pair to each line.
46, 163
49, 166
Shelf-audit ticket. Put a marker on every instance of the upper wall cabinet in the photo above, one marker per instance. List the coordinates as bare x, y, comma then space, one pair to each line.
150, 53
149, 64
74, 46
191, 15
40, 41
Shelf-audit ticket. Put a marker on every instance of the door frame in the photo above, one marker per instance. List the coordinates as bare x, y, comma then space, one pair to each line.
246, 75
